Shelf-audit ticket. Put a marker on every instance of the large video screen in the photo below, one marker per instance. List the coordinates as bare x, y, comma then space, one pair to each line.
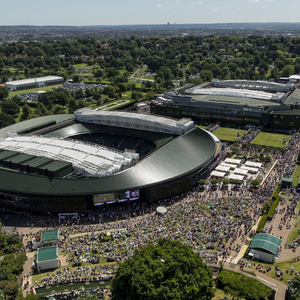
103, 198
130, 195
110, 198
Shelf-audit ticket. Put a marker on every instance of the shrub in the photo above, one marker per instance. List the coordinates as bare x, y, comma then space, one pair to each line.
262, 223
273, 207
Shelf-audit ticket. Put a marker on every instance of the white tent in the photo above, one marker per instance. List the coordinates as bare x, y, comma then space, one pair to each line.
231, 166
233, 161
222, 168
234, 176
240, 171
251, 170
217, 174
253, 164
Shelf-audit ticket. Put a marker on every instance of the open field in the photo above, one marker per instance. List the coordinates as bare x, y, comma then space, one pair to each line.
228, 134
271, 140
296, 175
44, 88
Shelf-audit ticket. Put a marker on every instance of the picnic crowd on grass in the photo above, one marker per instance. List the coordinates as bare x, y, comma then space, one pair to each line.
214, 223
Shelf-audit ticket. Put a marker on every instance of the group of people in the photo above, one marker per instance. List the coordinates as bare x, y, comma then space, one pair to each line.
214, 223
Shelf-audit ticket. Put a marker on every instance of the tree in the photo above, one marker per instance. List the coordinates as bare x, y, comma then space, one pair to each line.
214, 181
26, 113
10, 107
293, 291
237, 181
6, 120
76, 78
3, 93
255, 182
226, 181
268, 158
202, 182
168, 270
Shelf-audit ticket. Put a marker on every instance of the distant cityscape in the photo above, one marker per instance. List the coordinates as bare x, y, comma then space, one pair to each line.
32, 33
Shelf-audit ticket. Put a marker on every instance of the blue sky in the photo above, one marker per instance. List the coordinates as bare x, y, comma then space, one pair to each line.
119, 12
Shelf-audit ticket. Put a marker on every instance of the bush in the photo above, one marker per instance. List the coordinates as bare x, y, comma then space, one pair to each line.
262, 223
273, 207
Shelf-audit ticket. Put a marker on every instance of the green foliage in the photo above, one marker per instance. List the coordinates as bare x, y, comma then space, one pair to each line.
268, 158
3, 93
293, 292
241, 286
226, 181
169, 270
6, 120
255, 182
237, 181
10, 107
273, 207
214, 181
202, 182
262, 223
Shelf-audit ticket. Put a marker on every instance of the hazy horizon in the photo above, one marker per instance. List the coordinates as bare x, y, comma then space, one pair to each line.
137, 12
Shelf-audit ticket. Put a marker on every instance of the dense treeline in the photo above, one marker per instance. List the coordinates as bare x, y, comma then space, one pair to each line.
254, 57
169, 62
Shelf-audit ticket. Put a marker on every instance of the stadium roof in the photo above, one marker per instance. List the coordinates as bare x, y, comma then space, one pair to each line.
231, 92
34, 123
134, 120
266, 242
180, 157
253, 85
44, 254
293, 98
90, 159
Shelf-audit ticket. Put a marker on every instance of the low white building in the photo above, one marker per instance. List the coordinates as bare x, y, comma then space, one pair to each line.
33, 83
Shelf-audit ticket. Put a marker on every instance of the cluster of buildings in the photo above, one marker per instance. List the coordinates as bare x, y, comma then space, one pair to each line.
239, 102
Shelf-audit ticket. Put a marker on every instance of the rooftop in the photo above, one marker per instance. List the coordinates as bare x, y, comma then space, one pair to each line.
34, 80
266, 242
49, 235
44, 254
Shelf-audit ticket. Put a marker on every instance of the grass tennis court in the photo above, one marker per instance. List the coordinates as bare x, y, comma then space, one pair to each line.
228, 134
271, 140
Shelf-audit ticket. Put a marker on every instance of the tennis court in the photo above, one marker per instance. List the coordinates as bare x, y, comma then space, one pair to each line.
271, 140
228, 134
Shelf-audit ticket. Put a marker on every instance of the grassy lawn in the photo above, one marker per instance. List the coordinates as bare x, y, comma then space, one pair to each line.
296, 175
44, 88
219, 294
271, 140
228, 134
200, 126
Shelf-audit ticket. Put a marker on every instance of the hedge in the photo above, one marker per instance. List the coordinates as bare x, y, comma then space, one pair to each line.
262, 223
273, 207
